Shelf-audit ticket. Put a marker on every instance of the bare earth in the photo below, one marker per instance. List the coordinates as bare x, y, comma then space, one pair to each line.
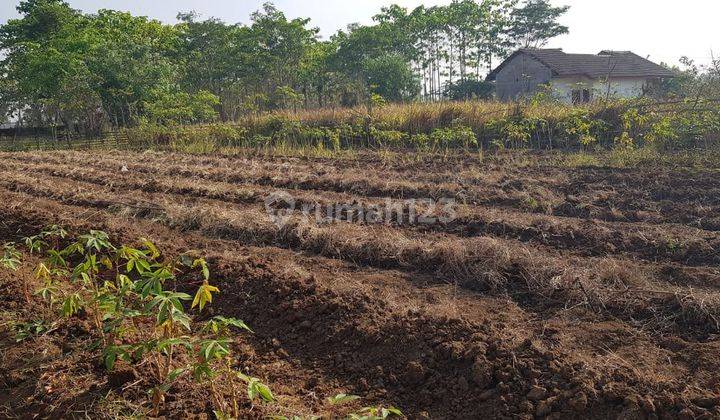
558, 292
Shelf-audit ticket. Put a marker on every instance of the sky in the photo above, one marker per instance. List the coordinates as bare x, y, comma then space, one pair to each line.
662, 30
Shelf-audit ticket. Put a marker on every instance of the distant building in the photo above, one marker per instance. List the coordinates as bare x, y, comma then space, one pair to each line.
575, 78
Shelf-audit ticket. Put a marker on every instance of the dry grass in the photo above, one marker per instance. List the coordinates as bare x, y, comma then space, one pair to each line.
418, 117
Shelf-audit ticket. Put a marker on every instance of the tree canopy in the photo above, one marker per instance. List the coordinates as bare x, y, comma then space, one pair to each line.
63, 67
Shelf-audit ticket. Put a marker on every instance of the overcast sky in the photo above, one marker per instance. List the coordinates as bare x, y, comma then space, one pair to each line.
664, 30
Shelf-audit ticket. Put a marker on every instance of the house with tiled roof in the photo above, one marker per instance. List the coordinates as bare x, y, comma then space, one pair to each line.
576, 78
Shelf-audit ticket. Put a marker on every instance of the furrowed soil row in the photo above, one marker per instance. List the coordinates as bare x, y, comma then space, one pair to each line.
509, 192
498, 228
533, 279
346, 345
649, 242
353, 183
466, 226
581, 337
475, 367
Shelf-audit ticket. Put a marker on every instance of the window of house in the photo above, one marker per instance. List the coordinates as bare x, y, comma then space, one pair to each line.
581, 96
586, 95
576, 96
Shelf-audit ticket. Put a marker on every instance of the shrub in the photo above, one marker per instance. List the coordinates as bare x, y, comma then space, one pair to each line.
453, 137
579, 128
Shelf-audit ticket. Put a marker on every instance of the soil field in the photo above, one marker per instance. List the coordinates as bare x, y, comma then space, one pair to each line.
551, 292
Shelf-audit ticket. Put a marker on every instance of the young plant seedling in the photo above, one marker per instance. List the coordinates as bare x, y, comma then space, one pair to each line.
122, 291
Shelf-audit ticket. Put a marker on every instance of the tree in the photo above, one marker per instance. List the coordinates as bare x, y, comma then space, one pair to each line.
534, 24
690, 81
172, 107
131, 58
45, 64
210, 57
315, 74
81, 71
494, 40
281, 46
391, 77
64, 68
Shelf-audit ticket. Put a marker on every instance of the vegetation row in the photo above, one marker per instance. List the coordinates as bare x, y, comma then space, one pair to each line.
465, 125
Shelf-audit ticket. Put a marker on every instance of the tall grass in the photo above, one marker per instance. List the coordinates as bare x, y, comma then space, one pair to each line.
438, 127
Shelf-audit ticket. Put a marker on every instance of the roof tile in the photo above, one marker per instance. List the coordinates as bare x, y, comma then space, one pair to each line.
607, 63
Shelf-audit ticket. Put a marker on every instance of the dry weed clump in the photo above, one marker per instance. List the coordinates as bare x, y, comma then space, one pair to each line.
696, 313
481, 265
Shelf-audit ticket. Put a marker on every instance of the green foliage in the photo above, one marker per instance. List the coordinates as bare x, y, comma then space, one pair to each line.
391, 77
466, 125
366, 413
11, 257
579, 128
88, 71
375, 413
388, 138
453, 137
256, 389
342, 399
137, 319
26, 330
469, 89
535, 23
172, 107
514, 131
667, 130
287, 97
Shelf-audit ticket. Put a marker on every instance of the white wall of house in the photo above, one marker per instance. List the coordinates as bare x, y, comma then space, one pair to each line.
630, 87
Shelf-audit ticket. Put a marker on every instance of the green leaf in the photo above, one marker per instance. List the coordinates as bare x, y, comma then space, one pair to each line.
110, 361
342, 399
112, 353
392, 411
165, 345
219, 415
72, 305
263, 391
214, 349
11, 257
232, 322
175, 373
183, 320
202, 370
200, 262
143, 266
256, 388
154, 253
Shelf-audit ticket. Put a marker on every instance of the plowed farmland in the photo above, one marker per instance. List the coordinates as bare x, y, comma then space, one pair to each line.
554, 291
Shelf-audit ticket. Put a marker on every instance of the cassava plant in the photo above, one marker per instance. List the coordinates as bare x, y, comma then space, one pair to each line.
138, 317
11, 260
365, 413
